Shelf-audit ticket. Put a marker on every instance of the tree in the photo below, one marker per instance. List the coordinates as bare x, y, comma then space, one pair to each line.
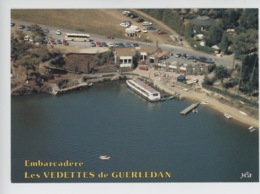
230, 18
221, 73
38, 34
224, 44
214, 34
188, 31
245, 42
249, 18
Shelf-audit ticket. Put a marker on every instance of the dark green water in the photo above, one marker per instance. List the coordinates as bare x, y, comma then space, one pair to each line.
109, 119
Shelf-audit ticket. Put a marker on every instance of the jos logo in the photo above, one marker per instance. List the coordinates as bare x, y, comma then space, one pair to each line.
246, 175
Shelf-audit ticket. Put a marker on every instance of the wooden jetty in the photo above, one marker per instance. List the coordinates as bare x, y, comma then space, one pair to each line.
189, 108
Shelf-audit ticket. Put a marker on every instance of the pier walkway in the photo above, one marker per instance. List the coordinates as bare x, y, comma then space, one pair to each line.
189, 108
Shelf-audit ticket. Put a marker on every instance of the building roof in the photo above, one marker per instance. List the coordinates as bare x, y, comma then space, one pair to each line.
202, 21
131, 51
124, 51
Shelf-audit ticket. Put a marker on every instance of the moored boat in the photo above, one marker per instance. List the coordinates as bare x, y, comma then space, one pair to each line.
144, 90
228, 116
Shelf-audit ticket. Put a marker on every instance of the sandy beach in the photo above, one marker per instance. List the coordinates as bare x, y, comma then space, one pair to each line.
201, 96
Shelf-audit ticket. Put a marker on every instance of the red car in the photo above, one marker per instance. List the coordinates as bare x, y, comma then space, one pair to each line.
110, 37
65, 42
52, 42
99, 44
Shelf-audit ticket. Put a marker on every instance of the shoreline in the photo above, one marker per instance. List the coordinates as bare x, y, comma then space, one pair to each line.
212, 102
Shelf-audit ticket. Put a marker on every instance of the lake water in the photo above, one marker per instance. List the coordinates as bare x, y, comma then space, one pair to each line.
139, 136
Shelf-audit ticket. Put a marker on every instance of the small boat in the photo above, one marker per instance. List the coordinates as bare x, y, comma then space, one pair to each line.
170, 97
104, 157
243, 113
251, 127
251, 130
90, 84
228, 116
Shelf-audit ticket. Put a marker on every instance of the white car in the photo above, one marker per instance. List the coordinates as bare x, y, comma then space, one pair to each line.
137, 30
58, 32
126, 12
125, 25
144, 30
145, 23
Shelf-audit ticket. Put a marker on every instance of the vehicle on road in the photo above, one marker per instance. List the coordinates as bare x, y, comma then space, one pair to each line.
58, 32
110, 36
12, 24
77, 37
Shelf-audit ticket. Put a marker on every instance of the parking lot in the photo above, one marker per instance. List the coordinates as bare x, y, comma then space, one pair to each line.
116, 42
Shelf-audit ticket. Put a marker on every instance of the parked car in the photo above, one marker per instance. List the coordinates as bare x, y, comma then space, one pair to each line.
177, 55
125, 24
58, 41
133, 16
128, 44
92, 44
146, 23
126, 12
28, 28
110, 44
52, 42
110, 36
99, 44
139, 20
12, 24
104, 44
21, 27
65, 42
136, 45
144, 30
151, 28
58, 32
46, 31
120, 44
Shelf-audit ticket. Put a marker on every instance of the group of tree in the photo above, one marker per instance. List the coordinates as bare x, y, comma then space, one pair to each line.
242, 40
26, 53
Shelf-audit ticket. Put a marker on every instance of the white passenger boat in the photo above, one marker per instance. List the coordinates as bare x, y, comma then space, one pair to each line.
144, 90
104, 157
228, 116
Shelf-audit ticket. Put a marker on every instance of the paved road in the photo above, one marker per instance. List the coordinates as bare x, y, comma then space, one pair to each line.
226, 61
